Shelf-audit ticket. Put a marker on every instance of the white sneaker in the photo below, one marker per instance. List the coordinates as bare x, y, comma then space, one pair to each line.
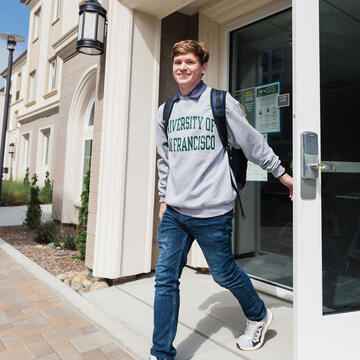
152, 357
254, 335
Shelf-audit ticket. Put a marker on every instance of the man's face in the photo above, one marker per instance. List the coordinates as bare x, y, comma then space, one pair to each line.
187, 70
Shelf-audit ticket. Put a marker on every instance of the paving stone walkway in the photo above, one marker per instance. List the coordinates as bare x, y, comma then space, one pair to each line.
35, 323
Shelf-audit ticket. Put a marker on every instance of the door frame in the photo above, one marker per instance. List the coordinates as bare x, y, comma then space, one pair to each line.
330, 336
224, 73
307, 253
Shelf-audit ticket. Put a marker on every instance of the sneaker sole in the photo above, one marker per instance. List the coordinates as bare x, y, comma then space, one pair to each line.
259, 345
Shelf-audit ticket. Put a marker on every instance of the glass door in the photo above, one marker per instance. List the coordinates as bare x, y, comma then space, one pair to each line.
326, 40
340, 128
260, 70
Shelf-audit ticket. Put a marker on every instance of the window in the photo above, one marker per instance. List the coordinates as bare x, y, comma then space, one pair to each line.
87, 157
18, 86
57, 9
91, 117
52, 75
26, 149
32, 86
88, 136
36, 24
46, 143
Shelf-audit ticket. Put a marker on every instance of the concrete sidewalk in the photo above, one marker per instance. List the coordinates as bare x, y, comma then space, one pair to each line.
37, 323
41, 318
210, 318
15, 215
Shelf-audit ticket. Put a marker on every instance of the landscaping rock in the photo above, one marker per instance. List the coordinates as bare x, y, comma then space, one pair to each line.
98, 285
86, 283
75, 280
61, 277
71, 275
76, 286
51, 246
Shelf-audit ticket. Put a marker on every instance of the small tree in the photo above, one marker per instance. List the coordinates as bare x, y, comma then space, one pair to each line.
45, 194
27, 177
33, 213
83, 217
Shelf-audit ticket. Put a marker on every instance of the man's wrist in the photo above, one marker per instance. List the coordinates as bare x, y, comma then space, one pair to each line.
284, 173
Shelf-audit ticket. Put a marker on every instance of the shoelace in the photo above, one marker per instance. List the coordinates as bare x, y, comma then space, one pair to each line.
253, 330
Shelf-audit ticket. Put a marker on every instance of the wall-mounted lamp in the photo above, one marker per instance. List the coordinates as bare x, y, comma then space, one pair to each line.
12, 149
92, 21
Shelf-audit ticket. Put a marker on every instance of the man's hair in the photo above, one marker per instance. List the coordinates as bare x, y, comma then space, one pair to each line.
198, 48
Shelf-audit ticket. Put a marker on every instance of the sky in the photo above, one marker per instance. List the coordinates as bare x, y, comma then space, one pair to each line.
14, 19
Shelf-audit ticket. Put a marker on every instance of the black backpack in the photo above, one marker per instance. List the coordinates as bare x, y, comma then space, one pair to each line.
237, 159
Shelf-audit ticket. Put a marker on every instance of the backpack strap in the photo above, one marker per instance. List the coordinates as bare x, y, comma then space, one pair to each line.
217, 100
218, 107
169, 104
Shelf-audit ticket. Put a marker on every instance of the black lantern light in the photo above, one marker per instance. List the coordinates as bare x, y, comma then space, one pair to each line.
12, 149
92, 20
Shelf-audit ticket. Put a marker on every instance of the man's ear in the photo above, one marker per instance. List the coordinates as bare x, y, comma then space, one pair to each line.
204, 66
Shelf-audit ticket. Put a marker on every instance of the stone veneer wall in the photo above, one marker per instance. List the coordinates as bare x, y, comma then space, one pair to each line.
175, 27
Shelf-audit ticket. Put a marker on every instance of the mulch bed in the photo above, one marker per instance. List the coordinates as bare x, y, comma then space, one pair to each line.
54, 261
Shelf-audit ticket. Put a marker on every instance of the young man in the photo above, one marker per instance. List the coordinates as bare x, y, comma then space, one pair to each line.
196, 198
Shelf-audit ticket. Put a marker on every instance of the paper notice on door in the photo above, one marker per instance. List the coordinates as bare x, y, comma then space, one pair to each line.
267, 118
255, 172
246, 98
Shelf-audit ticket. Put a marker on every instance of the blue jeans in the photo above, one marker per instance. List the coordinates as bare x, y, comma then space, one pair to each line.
175, 236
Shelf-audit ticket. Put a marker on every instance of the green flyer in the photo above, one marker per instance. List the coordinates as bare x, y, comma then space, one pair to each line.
246, 98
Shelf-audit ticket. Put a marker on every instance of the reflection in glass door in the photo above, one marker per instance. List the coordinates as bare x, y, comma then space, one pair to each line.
260, 70
340, 129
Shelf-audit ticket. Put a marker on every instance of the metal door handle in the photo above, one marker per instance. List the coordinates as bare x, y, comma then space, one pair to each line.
323, 167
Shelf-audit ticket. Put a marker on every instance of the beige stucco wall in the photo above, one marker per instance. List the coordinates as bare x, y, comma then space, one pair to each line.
2, 98
73, 70
34, 128
12, 135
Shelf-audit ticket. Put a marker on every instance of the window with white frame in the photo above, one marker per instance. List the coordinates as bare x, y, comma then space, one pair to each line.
52, 75
18, 87
32, 86
46, 146
57, 9
88, 138
37, 24
26, 138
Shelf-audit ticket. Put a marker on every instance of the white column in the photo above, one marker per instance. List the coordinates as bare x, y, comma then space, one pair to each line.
111, 192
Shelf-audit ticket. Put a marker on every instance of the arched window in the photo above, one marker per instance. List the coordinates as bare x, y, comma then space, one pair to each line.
88, 138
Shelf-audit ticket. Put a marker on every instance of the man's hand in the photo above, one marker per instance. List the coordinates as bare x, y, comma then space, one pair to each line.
288, 181
162, 210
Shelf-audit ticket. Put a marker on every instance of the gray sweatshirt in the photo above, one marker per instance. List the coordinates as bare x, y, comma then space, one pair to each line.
194, 171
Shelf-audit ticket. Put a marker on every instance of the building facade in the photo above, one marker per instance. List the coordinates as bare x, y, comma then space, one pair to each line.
292, 65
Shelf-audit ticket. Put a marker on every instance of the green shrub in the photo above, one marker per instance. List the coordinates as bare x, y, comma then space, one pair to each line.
81, 244
83, 211
26, 180
47, 232
15, 193
68, 239
45, 194
83, 217
33, 213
